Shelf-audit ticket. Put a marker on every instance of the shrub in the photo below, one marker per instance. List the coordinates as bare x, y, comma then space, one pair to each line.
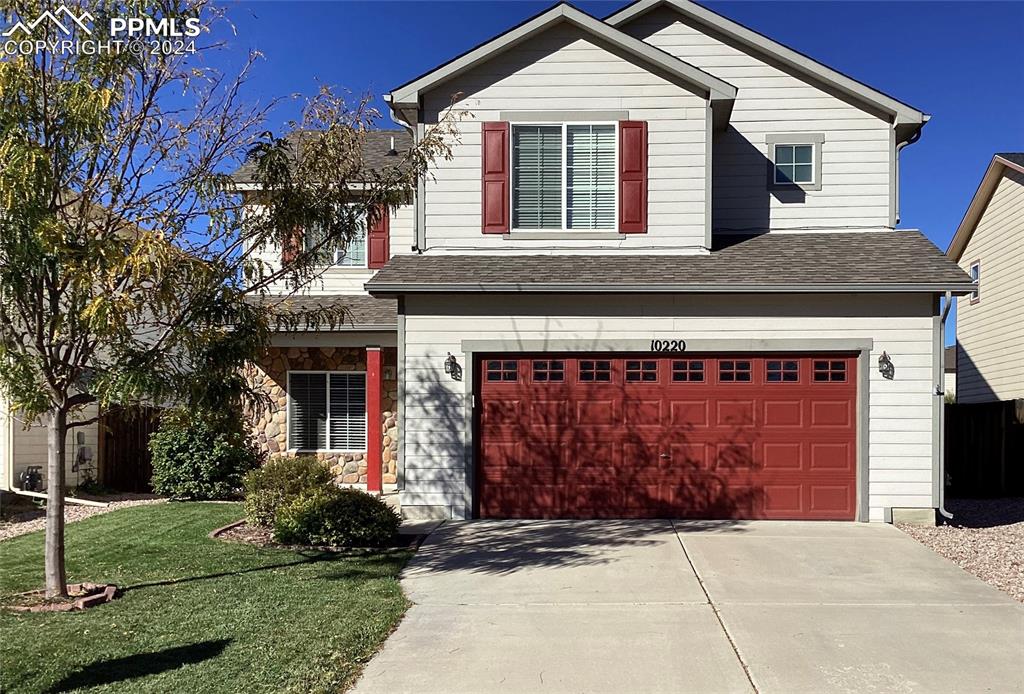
279, 482
336, 517
199, 455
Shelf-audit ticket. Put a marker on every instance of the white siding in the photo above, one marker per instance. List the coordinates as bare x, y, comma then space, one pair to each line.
346, 280
563, 70
900, 415
990, 333
856, 154
27, 447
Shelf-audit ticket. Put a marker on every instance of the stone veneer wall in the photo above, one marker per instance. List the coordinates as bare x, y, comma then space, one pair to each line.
271, 429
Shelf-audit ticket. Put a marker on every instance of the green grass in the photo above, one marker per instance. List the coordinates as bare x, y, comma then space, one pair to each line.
197, 615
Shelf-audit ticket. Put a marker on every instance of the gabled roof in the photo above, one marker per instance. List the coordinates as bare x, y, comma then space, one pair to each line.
715, 89
996, 168
859, 261
902, 114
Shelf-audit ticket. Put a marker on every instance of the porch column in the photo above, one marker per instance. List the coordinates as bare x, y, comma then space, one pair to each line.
374, 434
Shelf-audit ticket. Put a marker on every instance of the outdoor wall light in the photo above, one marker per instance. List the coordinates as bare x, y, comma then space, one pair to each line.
452, 367
886, 367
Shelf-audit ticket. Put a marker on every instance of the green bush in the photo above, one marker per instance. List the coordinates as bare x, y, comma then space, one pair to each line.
200, 455
279, 482
336, 517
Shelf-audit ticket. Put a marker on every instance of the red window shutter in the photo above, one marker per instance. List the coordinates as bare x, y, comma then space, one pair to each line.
494, 211
632, 177
290, 246
378, 239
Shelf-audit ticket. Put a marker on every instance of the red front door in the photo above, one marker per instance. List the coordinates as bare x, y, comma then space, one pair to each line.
687, 436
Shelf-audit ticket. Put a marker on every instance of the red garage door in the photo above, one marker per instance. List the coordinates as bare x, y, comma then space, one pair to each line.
694, 436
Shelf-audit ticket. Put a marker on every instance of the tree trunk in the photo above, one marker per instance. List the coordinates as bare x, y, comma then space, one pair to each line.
56, 433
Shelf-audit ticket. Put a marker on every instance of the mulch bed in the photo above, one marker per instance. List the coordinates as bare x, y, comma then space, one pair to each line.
81, 596
263, 537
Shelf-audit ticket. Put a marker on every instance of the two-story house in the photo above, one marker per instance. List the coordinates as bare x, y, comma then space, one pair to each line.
988, 245
659, 277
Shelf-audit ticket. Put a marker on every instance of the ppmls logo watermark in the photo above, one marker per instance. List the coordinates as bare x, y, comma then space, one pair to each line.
65, 31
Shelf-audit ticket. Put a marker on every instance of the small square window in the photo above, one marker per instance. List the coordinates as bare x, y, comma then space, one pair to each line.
976, 279
595, 370
502, 370
794, 164
831, 370
548, 370
779, 371
641, 370
733, 371
691, 370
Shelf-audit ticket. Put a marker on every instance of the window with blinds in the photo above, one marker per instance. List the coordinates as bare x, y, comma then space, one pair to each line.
564, 176
590, 177
537, 177
327, 411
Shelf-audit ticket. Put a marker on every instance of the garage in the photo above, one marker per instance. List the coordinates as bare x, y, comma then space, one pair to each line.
736, 436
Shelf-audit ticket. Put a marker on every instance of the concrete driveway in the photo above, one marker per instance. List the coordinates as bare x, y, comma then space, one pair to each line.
657, 606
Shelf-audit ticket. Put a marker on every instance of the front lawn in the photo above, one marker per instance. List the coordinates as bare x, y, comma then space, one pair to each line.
197, 615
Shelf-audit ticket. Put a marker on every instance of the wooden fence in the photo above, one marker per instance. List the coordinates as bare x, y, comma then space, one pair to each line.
985, 449
125, 462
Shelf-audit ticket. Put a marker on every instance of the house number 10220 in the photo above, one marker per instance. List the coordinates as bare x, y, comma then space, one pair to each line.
668, 345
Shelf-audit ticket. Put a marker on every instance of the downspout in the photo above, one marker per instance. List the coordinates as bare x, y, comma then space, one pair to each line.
941, 392
417, 199
899, 148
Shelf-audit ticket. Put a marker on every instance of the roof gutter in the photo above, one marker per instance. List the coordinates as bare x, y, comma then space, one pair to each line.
379, 288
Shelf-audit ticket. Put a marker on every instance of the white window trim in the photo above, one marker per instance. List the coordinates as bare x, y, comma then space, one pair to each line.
976, 293
816, 140
565, 198
288, 417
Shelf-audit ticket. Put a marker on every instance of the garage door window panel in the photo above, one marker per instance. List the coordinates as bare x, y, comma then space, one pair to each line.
688, 370
641, 371
595, 371
548, 370
782, 371
502, 370
734, 371
831, 371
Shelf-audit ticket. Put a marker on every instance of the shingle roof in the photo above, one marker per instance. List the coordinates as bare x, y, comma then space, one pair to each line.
1016, 157
360, 312
885, 261
377, 152
949, 358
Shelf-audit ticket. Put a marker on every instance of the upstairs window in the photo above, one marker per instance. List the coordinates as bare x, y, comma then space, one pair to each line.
352, 256
976, 279
794, 164
795, 161
564, 176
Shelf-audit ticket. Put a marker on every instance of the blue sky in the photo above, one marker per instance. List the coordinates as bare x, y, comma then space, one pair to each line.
958, 61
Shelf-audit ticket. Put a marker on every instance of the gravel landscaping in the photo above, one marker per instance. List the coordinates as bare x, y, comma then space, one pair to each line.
985, 538
28, 517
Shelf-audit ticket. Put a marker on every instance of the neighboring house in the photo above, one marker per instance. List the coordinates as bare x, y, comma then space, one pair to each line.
24, 447
658, 277
989, 246
949, 361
